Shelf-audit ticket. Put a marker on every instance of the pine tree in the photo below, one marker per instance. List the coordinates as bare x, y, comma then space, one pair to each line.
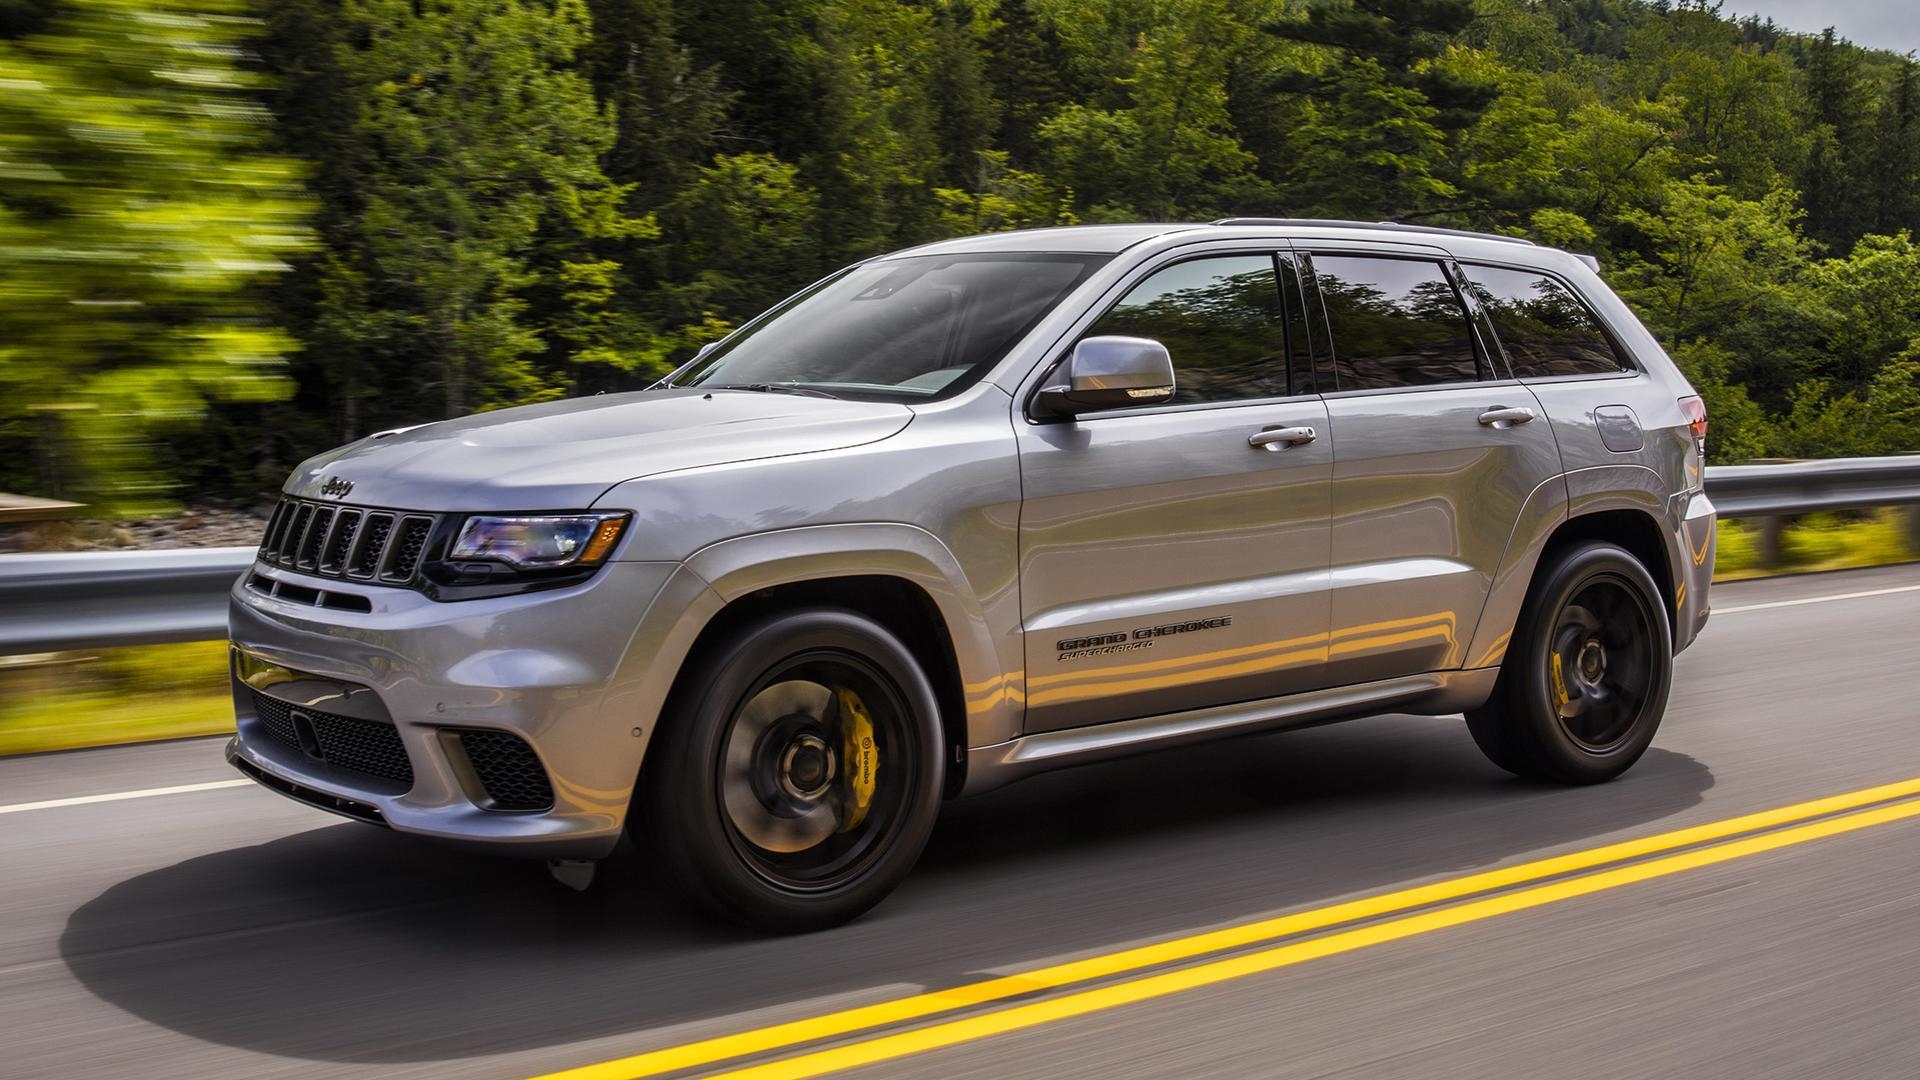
479, 143
1894, 179
669, 113
1029, 70
1385, 112
1832, 188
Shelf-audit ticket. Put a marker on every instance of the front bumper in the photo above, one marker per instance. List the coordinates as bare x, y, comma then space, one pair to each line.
555, 669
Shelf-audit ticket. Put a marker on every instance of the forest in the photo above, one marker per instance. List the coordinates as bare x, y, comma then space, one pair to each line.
233, 234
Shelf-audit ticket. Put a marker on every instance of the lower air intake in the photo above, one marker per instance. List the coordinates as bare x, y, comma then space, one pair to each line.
508, 769
345, 742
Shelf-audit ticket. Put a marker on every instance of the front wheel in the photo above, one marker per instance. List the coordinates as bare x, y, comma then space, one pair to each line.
1585, 680
800, 773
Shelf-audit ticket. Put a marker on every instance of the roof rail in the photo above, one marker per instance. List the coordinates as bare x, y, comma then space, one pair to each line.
1431, 230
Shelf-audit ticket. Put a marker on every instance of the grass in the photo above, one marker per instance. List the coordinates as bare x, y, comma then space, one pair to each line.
63, 701
1815, 542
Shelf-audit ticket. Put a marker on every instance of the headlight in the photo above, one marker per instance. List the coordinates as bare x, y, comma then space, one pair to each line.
539, 542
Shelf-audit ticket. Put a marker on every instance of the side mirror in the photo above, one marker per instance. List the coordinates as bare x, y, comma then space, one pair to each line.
1111, 373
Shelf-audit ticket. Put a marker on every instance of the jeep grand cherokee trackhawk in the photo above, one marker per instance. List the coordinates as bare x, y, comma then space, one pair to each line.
986, 507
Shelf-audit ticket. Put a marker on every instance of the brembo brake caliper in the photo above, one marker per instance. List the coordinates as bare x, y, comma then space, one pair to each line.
859, 760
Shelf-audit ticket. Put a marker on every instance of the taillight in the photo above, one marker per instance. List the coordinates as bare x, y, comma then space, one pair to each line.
1696, 413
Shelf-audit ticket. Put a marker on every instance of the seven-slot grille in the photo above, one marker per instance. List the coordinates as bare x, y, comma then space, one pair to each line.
351, 542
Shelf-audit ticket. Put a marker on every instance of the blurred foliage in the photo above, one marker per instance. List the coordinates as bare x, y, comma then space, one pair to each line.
139, 217
1816, 542
512, 200
68, 700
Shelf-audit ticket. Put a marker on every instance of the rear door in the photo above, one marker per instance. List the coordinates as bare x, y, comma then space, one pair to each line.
1172, 557
1436, 450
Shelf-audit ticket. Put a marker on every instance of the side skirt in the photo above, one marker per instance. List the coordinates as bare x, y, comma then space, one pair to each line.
1435, 693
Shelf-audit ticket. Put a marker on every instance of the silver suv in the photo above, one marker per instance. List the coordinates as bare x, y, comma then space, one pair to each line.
978, 509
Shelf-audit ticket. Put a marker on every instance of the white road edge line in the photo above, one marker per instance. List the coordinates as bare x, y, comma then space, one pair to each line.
1814, 600
117, 796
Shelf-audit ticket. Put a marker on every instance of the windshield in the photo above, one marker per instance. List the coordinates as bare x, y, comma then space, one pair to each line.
907, 329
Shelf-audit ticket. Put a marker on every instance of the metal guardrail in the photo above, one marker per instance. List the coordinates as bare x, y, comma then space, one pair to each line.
91, 600
94, 600
1806, 487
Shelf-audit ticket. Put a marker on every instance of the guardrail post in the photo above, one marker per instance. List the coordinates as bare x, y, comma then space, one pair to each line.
1910, 527
1768, 540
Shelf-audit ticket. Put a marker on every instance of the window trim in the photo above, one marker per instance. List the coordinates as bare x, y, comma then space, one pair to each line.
1043, 373
1630, 364
1488, 374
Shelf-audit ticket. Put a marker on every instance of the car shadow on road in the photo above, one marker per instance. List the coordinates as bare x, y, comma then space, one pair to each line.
349, 944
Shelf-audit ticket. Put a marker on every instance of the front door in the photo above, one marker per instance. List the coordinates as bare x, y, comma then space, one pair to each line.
1435, 453
1176, 557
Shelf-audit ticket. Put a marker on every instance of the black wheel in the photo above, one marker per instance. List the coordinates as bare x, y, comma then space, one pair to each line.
1585, 679
800, 771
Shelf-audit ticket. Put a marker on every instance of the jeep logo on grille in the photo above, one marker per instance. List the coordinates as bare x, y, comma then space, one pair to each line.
336, 487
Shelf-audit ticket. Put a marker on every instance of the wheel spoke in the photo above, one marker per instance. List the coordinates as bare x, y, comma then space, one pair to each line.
1605, 625
798, 815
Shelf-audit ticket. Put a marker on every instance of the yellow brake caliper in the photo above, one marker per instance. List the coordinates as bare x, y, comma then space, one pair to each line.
858, 758
1559, 687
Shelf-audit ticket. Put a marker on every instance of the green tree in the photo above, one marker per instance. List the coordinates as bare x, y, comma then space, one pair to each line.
1385, 113
139, 218
1833, 184
742, 236
1893, 183
478, 141
1729, 271
1873, 302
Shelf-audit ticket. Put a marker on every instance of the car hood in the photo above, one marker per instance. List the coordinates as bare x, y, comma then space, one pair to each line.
565, 454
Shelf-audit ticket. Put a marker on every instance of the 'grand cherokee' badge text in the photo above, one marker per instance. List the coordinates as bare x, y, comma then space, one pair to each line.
1141, 638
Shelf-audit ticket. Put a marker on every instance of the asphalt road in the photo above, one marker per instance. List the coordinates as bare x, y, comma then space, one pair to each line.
229, 932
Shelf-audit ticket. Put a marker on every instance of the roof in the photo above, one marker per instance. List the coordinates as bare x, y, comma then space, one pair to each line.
1091, 239
1112, 239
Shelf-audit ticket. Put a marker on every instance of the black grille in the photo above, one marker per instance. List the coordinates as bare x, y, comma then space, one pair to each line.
341, 543
347, 541
507, 767
346, 742
379, 528
407, 549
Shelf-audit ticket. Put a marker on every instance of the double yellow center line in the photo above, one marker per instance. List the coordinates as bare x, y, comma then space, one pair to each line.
1680, 850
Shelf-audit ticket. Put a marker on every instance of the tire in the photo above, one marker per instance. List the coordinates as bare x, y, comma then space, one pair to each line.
1594, 607
755, 800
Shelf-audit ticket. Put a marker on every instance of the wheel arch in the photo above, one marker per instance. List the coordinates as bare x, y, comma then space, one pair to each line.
902, 578
1621, 504
1633, 529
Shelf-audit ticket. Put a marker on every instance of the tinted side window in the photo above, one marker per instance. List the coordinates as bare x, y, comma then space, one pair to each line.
1219, 317
1395, 322
1546, 330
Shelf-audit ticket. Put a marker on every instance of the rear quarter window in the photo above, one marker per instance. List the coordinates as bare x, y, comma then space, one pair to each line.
1544, 328
1396, 323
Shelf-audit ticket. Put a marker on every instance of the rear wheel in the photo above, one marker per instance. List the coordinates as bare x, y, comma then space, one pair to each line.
1585, 680
800, 777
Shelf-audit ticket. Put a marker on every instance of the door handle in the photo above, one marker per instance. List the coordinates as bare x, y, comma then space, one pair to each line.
1279, 438
1502, 417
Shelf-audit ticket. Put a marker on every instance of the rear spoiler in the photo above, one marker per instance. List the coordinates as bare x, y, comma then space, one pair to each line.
1591, 262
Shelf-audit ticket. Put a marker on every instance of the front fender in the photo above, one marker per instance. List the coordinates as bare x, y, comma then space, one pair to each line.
987, 655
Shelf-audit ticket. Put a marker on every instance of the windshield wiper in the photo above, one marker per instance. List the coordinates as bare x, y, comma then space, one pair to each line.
775, 388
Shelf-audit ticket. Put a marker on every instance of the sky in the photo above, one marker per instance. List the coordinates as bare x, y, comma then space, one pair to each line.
1876, 24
